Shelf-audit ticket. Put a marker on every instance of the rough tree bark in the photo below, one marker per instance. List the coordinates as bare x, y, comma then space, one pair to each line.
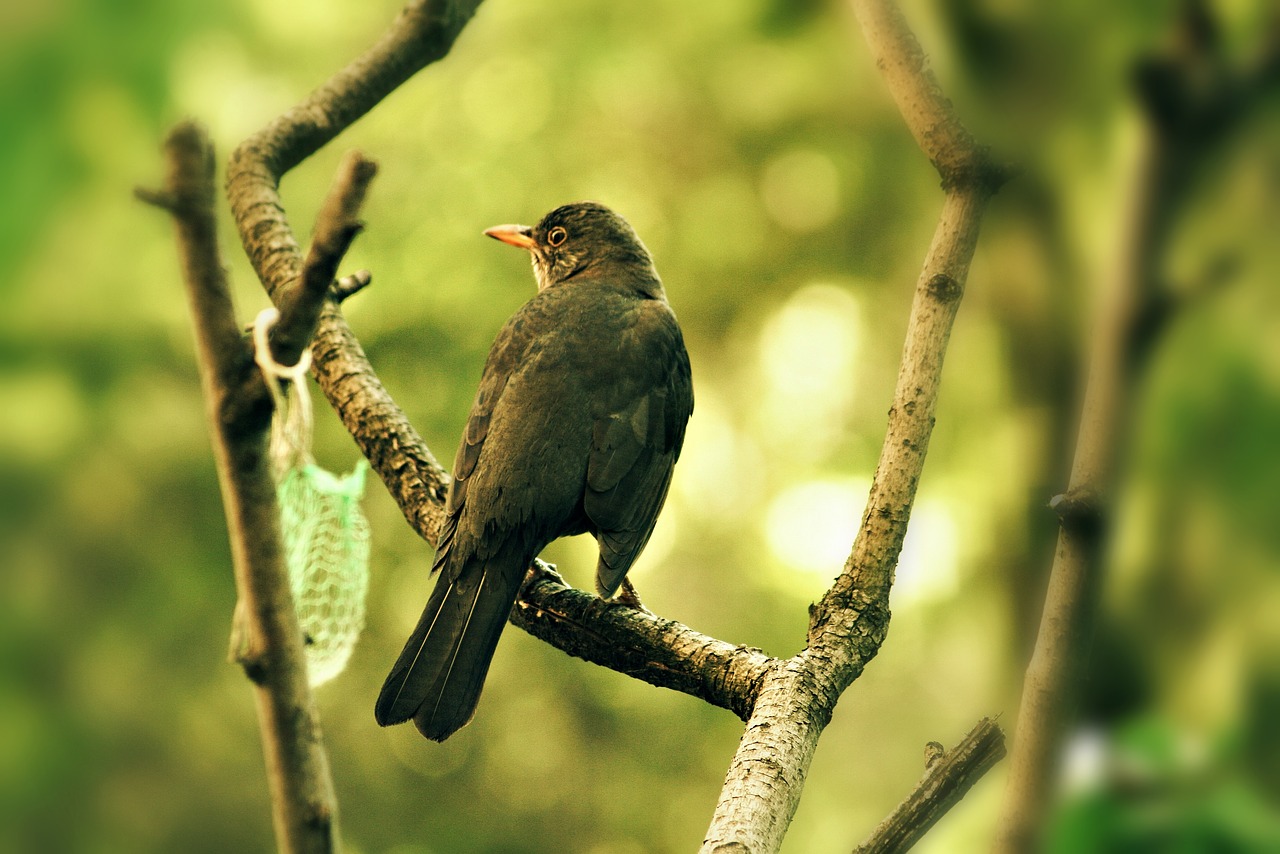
266, 640
785, 703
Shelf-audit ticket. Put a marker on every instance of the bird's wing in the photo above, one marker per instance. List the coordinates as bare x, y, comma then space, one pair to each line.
634, 448
504, 357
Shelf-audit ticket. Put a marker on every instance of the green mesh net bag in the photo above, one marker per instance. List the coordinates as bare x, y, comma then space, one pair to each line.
326, 537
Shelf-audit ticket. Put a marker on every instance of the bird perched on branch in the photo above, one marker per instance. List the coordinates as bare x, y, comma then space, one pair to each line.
575, 428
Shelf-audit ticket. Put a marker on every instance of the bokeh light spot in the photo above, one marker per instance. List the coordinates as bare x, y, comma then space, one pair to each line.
507, 99
811, 525
801, 190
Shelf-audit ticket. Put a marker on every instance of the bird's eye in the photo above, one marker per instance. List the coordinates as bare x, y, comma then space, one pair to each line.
557, 236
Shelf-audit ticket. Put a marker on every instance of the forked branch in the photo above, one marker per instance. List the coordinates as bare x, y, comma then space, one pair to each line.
786, 703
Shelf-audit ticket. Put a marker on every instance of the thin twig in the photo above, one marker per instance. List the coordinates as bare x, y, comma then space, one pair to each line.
337, 225
349, 286
948, 777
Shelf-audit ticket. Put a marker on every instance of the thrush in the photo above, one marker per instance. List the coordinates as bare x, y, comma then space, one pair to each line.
575, 428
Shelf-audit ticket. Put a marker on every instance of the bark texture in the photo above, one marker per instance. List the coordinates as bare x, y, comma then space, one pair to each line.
786, 703
267, 642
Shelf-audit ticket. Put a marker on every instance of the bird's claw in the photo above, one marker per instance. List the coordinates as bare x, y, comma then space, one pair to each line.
628, 597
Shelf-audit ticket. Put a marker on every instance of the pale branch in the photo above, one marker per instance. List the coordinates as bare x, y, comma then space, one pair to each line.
269, 642
925, 109
849, 623
948, 777
1191, 99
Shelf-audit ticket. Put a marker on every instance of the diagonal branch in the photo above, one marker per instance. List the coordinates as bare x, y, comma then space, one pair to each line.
422, 34
337, 225
946, 780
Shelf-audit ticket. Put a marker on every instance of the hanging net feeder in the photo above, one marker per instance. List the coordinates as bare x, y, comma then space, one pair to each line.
326, 536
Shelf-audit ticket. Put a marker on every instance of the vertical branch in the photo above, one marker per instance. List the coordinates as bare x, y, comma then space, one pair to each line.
269, 642
1191, 100
1056, 668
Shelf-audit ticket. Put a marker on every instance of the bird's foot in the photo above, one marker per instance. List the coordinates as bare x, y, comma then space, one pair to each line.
543, 571
629, 597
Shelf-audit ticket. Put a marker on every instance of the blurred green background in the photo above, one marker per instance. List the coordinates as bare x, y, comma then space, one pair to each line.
753, 147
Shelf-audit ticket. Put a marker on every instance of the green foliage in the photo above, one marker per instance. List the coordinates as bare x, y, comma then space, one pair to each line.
1160, 793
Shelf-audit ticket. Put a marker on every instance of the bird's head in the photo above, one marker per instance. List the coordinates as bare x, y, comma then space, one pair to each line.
583, 239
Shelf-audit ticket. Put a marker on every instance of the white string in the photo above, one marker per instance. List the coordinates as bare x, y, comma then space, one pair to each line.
325, 536
291, 429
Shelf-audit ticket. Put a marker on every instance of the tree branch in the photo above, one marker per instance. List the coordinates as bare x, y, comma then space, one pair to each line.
786, 703
337, 225
849, 623
947, 778
270, 644
654, 650
1184, 122
925, 109
661, 652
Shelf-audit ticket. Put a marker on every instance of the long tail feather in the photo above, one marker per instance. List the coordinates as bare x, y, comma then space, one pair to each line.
440, 673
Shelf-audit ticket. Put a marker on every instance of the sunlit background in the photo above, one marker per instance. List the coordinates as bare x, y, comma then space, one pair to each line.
753, 147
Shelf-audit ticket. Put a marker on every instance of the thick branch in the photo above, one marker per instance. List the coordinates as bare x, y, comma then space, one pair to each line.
394, 449
947, 779
270, 648
847, 626
661, 652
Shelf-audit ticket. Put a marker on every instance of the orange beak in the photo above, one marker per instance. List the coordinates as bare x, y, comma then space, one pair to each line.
516, 235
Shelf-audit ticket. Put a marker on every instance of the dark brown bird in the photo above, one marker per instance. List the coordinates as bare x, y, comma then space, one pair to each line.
575, 429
